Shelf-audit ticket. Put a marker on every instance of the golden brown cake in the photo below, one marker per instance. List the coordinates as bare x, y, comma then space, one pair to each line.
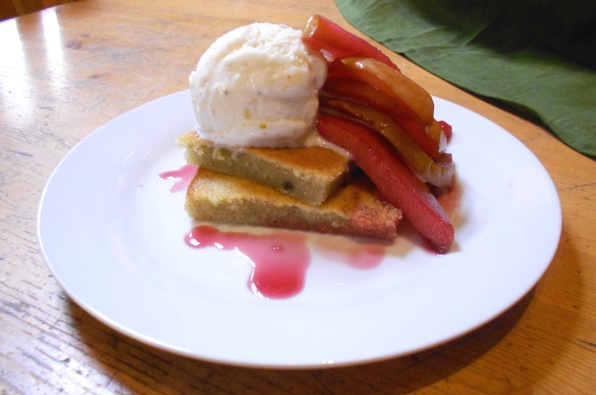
309, 174
355, 209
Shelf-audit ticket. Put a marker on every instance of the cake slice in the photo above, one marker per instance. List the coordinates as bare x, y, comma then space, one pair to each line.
309, 174
354, 209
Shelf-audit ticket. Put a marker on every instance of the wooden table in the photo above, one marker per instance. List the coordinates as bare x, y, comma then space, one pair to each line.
67, 70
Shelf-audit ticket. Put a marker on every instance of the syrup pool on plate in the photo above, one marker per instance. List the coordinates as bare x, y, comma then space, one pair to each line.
182, 176
279, 260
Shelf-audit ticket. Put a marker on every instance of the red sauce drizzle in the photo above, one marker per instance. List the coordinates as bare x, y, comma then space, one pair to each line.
183, 176
352, 254
279, 260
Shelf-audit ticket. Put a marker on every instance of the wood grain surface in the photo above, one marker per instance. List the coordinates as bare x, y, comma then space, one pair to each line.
67, 70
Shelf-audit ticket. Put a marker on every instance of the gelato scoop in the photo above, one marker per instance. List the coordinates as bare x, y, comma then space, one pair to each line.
257, 86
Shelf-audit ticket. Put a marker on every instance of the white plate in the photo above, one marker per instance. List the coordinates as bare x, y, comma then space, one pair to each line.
112, 235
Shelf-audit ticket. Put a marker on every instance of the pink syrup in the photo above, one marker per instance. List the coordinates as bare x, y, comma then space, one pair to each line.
182, 177
356, 255
279, 260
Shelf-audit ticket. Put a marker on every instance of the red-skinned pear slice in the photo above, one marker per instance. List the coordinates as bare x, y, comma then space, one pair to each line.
335, 42
410, 96
364, 92
392, 176
438, 173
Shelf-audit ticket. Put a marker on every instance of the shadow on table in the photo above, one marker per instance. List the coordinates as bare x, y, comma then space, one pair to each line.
137, 368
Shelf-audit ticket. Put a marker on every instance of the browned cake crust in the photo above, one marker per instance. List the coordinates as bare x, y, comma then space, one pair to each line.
309, 174
355, 209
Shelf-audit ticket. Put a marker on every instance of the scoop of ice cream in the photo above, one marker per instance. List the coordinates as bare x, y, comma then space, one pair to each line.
257, 86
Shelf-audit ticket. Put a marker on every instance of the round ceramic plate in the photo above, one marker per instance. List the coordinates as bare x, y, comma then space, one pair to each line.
112, 234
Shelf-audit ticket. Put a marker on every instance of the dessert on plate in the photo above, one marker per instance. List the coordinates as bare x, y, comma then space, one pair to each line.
317, 130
